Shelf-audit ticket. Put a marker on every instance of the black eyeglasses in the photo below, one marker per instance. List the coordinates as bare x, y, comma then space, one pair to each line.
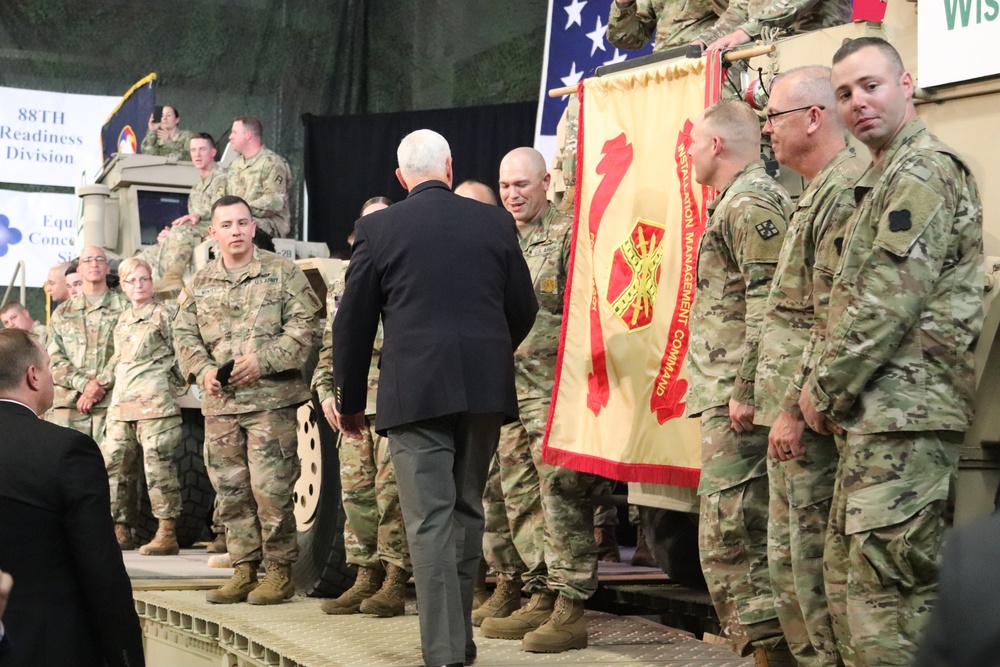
772, 116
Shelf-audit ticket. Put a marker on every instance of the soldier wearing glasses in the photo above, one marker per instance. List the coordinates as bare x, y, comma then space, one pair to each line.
81, 345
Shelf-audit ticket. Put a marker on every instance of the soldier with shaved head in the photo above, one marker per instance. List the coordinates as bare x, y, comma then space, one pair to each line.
549, 508
736, 261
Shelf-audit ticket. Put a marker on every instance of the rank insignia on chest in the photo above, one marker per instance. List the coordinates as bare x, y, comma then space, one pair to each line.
767, 230
549, 285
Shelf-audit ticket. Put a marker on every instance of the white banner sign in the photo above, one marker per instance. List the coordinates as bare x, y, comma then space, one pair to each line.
50, 138
955, 40
38, 228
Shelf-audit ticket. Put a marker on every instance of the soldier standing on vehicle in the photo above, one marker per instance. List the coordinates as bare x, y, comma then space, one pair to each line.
260, 176
172, 253
144, 416
374, 535
81, 342
807, 135
256, 310
550, 508
736, 260
165, 138
14, 315
896, 372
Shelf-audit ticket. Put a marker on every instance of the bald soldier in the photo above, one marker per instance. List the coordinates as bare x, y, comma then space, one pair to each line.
476, 190
736, 261
807, 135
549, 509
81, 343
896, 372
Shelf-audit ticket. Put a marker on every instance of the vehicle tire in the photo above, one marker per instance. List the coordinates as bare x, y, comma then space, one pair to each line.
321, 569
197, 494
673, 538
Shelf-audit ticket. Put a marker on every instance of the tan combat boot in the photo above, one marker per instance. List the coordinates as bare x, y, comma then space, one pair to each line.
643, 557
237, 589
218, 545
506, 599
276, 587
607, 544
522, 621
479, 592
123, 533
365, 585
391, 598
171, 281
773, 657
164, 542
564, 629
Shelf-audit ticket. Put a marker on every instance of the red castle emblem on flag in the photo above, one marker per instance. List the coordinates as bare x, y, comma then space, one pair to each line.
635, 275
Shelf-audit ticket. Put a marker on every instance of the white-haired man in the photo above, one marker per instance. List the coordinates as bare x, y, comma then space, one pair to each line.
455, 299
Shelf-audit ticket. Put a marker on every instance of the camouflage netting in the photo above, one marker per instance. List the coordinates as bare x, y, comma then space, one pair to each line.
278, 59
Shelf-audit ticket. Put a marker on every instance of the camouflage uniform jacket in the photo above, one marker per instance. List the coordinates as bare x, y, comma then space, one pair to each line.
674, 23
546, 249
790, 16
263, 181
146, 373
81, 343
800, 293
736, 260
322, 380
205, 192
907, 300
39, 332
269, 311
179, 146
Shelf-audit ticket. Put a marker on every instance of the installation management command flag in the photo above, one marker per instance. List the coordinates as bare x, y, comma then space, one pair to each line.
126, 127
618, 404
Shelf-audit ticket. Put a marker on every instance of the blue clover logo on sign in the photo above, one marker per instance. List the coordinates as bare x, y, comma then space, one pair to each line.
8, 235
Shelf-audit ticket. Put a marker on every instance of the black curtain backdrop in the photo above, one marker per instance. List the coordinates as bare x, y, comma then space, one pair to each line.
349, 159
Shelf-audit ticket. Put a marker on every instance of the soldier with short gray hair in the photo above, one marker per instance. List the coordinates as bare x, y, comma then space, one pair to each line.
896, 372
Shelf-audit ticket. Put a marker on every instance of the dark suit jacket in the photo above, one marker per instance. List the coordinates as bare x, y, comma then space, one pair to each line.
72, 600
447, 276
964, 628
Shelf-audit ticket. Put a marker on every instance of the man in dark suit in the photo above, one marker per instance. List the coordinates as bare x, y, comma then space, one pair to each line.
446, 276
73, 603
964, 628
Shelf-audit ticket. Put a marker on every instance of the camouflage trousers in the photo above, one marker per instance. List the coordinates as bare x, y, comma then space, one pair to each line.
893, 498
92, 424
498, 543
176, 249
800, 494
605, 514
732, 532
373, 529
253, 461
549, 509
158, 440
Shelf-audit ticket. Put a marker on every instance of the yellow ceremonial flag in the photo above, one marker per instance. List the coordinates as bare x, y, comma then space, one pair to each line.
618, 407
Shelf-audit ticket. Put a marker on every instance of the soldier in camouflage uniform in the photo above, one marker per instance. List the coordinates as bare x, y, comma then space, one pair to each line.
14, 315
736, 260
165, 138
748, 20
633, 22
260, 176
143, 411
256, 309
807, 135
81, 343
172, 253
374, 535
549, 508
896, 371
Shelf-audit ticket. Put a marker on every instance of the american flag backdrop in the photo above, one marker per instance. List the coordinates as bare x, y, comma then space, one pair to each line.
576, 45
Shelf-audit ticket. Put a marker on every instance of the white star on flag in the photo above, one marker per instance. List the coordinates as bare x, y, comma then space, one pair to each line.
572, 79
575, 13
617, 58
597, 37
